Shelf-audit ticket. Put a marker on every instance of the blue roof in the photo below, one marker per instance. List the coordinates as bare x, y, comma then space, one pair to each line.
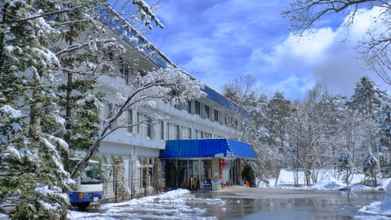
207, 148
109, 17
223, 101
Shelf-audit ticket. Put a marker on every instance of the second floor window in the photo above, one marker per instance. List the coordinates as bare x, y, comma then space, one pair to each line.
216, 115
178, 132
162, 130
149, 127
110, 110
130, 120
197, 134
197, 107
207, 111
189, 133
124, 69
189, 107
138, 122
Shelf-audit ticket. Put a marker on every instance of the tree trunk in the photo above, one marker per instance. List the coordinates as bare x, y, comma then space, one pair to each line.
68, 117
278, 176
2, 37
68, 107
35, 110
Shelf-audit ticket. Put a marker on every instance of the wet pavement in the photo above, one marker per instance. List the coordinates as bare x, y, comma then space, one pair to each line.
240, 203
287, 204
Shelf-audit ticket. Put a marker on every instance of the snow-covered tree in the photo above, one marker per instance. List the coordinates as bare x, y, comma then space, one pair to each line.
170, 85
366, 103
367, 98
35, 174
345, 166
243, 92
306, 14
371, 169
42, 44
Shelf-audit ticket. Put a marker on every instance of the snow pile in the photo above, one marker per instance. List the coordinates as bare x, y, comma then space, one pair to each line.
287, 177
176, 204
376, 208
380, 208
3, 217
327, 180
328, 184
362, 188
368, 217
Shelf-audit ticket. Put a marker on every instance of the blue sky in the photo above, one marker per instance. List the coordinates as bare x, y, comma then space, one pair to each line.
218, 40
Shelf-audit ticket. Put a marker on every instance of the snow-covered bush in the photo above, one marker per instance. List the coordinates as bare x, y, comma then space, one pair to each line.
345, 167
371, 169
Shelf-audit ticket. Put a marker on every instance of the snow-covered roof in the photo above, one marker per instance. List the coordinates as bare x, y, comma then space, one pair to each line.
117, 23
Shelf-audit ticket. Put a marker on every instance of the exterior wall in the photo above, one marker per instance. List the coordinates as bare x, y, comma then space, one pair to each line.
123, 166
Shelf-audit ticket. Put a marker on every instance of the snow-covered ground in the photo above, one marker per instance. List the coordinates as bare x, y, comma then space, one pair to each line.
177, 204
376, 208
3, 217
327, 180
381, 209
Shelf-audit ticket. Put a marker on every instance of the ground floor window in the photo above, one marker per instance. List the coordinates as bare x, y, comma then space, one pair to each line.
146, 173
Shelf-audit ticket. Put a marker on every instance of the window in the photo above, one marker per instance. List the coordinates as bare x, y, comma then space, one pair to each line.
197, 134
110, 110
197, 107
110, 55
162, 130
178, 132
138, 121
168, 131
149, 127
189, 107
216, 115
130, 121
189, 133
124, 69
207, 111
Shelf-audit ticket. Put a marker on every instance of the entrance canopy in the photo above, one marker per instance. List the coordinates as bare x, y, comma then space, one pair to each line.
207, 148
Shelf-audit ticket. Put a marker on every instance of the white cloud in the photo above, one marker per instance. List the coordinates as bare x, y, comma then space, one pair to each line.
310, 47
216, 40
322, 55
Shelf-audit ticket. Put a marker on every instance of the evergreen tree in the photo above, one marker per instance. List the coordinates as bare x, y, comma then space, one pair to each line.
366, 102
35, 175
278, 113
367, 98
50, 61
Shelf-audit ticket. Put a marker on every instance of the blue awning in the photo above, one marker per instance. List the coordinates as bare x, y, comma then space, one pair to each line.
207, 148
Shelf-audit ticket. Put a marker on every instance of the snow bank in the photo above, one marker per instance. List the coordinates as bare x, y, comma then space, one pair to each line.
376, 208
328, 184
327, 180
368, 217
3, 217
176, 204
380, 208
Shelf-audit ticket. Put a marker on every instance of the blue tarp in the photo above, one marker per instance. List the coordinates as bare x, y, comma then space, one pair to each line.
207, 148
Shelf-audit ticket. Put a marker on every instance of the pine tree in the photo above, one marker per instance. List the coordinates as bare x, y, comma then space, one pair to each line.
366, 98
35, 175
50, 61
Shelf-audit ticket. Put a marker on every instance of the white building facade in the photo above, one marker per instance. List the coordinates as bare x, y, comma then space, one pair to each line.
131, 155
